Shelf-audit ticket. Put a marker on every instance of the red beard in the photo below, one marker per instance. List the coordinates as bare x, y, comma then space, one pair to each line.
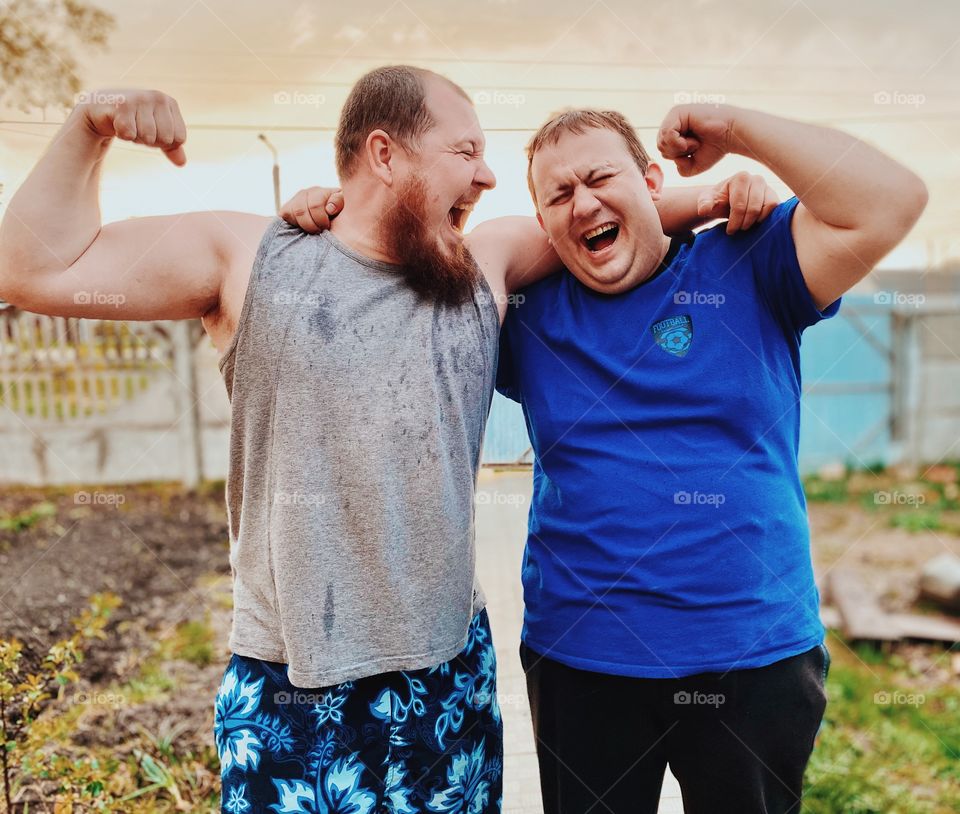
440, 276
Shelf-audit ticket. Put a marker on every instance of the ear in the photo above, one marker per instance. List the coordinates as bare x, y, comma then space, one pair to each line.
653, 178
540, 221
380, 151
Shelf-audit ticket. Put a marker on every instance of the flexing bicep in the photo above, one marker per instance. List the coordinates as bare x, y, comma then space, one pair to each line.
832, 258
165, 267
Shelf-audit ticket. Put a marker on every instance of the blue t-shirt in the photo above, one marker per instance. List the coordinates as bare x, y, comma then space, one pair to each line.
668, 531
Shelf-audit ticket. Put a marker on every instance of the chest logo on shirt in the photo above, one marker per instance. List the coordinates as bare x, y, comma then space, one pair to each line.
674, 334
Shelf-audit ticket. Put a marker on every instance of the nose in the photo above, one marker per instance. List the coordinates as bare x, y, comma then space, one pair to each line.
484, 176
585, 204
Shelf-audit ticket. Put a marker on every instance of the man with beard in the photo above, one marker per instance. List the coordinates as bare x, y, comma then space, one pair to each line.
360, 368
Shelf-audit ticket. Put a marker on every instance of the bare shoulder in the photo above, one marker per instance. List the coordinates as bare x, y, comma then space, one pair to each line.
239, 236
485, 243
516, 250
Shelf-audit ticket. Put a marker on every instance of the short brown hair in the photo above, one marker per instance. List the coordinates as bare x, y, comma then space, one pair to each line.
577, 121
392, 99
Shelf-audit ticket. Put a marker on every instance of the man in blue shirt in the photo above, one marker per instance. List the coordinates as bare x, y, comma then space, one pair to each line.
671, 614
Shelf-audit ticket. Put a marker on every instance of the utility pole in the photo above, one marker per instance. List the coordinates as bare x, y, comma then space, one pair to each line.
276, 172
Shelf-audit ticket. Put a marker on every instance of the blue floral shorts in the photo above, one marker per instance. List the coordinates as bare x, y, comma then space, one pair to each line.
406, 742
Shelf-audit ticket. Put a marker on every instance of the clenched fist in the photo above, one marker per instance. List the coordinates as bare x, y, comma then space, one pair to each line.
695, 137
143, 116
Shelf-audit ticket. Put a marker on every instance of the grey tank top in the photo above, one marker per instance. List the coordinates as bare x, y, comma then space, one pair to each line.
357, 417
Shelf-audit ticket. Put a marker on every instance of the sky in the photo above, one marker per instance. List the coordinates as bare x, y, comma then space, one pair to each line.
887, 72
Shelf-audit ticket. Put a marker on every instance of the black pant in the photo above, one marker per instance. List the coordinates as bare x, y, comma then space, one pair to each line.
737, 742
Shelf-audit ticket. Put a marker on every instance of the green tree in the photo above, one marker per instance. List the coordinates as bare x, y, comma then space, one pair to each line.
40, 41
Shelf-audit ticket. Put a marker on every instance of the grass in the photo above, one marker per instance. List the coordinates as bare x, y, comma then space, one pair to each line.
922, 503
162, 770
825, 491
193, 642
888, 745
27, 518
918, 520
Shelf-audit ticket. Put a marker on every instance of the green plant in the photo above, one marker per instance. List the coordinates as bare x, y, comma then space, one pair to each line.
193, 642
27, 518
917, 520
820, 490
22, 696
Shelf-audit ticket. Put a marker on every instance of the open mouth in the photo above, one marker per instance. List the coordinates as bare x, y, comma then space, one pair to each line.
600, 238
458, 215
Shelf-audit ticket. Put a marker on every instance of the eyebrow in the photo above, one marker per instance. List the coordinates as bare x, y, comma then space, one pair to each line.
562, 186
599, 168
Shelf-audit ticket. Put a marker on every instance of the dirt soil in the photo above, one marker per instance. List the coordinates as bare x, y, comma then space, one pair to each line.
164, 551
152, 550
161, 546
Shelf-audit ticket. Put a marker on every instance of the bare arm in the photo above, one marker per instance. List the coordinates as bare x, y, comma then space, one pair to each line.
57, 258
856, 203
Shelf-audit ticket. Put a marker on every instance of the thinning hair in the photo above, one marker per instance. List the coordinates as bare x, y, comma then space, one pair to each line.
391, 98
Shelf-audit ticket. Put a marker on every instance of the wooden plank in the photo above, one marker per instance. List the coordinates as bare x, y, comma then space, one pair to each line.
46, 343
862, 616
16, 386
63, 363
927, 628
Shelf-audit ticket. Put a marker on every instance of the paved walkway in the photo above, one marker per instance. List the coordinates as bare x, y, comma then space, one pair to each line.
502, 505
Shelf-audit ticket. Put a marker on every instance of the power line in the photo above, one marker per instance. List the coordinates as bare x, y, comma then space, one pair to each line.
391, 59
46, 137
948, 116
281, 83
